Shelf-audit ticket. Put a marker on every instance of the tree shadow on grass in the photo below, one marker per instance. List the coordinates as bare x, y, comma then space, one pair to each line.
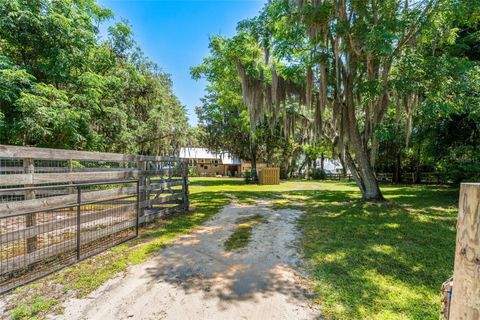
381, 261
199, 263
216, 182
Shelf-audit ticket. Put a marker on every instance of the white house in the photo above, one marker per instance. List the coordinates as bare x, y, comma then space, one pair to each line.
329, 165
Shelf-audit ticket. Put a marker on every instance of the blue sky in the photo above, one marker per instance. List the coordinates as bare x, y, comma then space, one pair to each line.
175, 34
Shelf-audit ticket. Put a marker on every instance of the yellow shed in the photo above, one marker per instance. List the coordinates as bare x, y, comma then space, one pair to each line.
269, 176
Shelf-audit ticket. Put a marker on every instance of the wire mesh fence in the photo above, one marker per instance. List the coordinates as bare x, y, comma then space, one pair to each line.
108, 222
35, 243
61, 206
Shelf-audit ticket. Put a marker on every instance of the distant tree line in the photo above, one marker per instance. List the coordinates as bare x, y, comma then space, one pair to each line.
64, 86
385, 86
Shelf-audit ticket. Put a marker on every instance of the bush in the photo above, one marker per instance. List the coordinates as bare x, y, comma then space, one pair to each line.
318, 174
192, 172
249, 176
457, 171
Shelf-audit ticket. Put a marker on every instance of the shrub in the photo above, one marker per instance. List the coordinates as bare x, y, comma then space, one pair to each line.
247, 175
318, 174
458, 171
192, 172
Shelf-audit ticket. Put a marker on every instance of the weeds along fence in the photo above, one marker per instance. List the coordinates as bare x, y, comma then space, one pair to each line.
61, 206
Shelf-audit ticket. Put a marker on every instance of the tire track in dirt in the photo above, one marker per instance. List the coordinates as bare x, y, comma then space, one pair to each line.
195, 278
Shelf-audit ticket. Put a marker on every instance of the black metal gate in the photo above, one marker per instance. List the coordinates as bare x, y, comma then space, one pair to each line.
37, 242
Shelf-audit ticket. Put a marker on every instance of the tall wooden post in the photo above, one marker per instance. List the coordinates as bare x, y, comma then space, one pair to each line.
30, 219
142, 167
466, 277
186, 195
71, 190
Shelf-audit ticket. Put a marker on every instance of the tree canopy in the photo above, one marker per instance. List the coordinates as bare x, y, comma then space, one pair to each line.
63, 86
367, 76
228, 123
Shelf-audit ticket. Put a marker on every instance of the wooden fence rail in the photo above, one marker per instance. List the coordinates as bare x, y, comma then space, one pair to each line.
16, 152
412, 177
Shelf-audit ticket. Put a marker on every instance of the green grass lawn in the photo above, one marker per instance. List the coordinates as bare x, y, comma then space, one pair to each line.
367, 261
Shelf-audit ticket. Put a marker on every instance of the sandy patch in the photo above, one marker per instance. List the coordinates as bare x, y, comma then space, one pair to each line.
196, 278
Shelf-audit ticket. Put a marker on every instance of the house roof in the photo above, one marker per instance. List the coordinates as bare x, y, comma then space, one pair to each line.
205, 153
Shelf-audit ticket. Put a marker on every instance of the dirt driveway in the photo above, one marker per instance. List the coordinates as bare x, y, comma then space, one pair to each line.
196, 278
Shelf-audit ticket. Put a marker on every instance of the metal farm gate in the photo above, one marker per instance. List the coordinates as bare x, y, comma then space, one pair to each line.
60, 206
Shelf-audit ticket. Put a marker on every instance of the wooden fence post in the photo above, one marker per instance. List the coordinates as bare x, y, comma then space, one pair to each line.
30, 219
466, 277
71, 190
186, 200
142, 167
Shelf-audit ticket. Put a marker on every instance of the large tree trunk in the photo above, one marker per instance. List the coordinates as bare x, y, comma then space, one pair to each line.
366, 179
418, 177
254, 169
361, 171
344, 168
254, 162
322, 159
302, 166
289, 166
372, 190
397, 173
307, 169
363, 175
